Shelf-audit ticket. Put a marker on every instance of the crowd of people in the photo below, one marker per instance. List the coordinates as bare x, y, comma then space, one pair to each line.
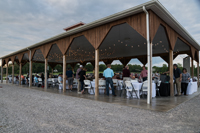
181, 79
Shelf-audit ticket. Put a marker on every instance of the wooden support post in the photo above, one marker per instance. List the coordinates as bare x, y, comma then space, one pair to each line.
46, 77
198, 73
151, 52
64, 73
30, 73
171, 72
7, 74
20, 73
1, 71
13, 73
97, 72
192, 72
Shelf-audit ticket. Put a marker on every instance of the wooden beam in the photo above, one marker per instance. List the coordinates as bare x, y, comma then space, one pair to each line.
192, 72
45, 69
143, 60
151, 52
64, 73
30, 73
1, 70
171, 73
97, 72
198, 73
108, 61
13, 73
20, 72
7, 74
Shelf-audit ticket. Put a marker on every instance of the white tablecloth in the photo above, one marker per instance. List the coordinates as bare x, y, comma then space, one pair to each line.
192, 87
101, 91
61, 85
137, 87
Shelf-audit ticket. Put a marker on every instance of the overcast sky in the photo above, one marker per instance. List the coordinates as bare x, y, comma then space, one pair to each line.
26, 22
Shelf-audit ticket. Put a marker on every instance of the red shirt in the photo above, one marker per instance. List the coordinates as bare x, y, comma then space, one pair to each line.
126, 73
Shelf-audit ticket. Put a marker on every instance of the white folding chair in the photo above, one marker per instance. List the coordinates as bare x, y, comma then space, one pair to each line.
102, 84
54, 81
115, 82
88, 85
121, 86
144, 88
39, 81
75, 83
130, 88
158, 87
10, 79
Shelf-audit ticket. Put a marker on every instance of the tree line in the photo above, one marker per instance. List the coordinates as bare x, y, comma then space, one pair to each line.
39, 68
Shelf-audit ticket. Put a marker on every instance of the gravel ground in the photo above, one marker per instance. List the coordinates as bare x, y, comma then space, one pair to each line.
25, 110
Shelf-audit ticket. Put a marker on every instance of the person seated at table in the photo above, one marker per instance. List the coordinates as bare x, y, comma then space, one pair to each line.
23, 79
126, 72
136, 75
185, 81
82, 75
101, 76
144, 74
132, 76
36, 80
115, 76
70, 78
60, 79
157, 75
108, 74
120, 75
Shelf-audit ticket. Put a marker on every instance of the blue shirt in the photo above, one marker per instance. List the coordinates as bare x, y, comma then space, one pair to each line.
35, 79
69, 73
60, 78
108, 73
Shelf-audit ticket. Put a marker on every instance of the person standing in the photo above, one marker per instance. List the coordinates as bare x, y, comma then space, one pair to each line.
185, 81
144, 74
177, 78
82, 75
27, 77
108, 74
77, 77
42, 77
126, 72
70, 78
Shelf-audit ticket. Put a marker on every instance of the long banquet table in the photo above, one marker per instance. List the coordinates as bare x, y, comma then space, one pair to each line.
137, 86
101, 91
192, 88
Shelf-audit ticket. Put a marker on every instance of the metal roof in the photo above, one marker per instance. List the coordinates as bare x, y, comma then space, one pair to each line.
154, 5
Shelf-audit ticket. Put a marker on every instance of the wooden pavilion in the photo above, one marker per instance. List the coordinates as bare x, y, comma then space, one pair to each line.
141, 32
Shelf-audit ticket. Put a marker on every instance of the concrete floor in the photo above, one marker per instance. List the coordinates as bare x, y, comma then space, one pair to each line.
161, 104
